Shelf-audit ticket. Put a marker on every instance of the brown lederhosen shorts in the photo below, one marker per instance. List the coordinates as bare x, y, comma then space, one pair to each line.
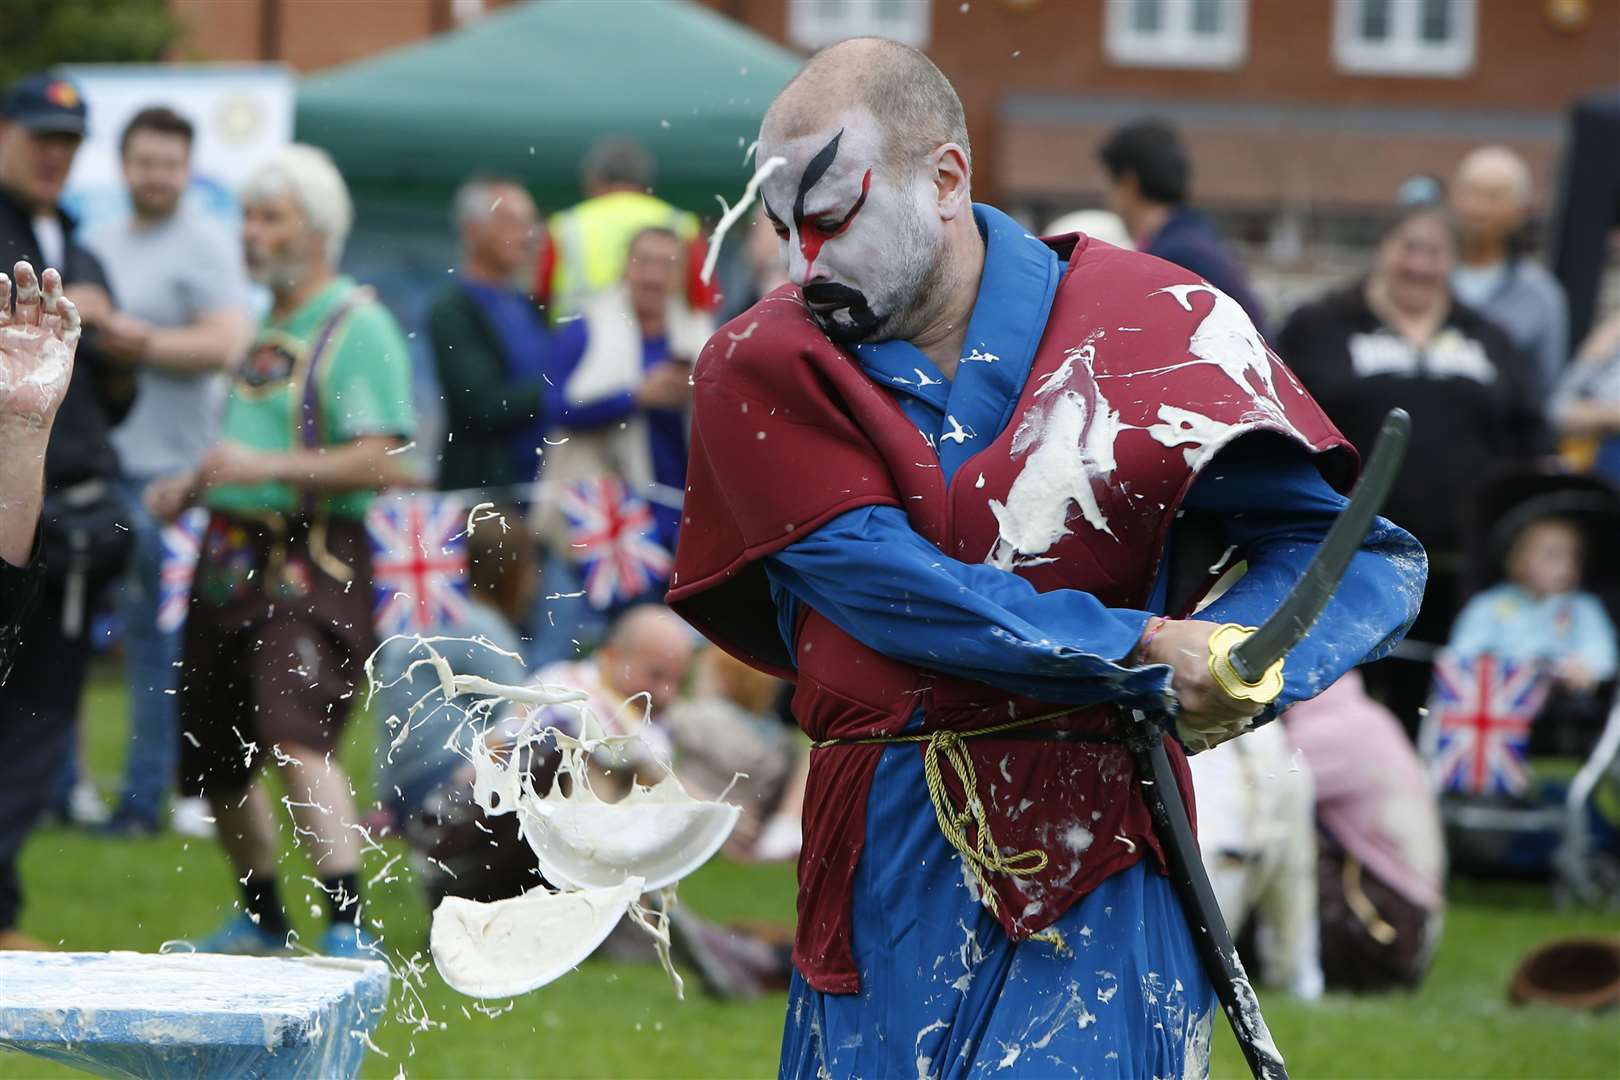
276, 638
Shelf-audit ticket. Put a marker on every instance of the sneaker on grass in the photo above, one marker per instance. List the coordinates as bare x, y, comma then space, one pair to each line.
243, 937
346, 941
191, 817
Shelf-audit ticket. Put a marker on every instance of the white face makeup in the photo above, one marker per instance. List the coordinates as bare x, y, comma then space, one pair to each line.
863, 248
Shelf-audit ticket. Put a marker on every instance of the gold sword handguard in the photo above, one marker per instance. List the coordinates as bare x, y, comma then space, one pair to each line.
1227, 637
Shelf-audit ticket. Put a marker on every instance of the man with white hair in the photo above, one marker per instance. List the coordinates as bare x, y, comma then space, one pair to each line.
280, 622
941, 480
1490, 195
490, 342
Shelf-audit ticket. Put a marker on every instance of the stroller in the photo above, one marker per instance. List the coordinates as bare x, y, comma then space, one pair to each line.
1543, 802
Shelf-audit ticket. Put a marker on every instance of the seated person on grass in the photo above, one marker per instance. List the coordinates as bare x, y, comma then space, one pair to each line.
413, 760
1381, 862
729, 738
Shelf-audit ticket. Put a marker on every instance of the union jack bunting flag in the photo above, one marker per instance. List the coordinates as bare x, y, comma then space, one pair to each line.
611, 536
1482, 711
418, 562
181, 540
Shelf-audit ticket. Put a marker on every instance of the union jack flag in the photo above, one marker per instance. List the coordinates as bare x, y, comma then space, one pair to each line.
610, 533
1482, 711
418, 562
181, 541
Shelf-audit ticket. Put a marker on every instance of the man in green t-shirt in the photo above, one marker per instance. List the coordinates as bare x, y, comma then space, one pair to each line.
279, 624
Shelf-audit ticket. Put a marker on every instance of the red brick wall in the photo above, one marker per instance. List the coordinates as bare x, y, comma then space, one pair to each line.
306, 34
1522, 62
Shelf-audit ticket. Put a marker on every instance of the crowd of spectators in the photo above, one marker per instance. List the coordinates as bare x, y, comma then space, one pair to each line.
563, 349
1324, 838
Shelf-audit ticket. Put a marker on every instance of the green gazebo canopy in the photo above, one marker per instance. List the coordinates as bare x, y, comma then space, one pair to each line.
526, 90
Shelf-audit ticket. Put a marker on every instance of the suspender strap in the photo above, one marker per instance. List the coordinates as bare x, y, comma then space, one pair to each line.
309, 406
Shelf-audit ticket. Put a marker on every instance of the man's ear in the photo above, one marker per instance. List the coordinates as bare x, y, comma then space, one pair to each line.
951, 181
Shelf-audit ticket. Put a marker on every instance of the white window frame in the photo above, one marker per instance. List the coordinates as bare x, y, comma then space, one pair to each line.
809, 27
1175, 45
1404, 52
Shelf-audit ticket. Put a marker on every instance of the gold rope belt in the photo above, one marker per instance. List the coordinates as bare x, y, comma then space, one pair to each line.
982, 855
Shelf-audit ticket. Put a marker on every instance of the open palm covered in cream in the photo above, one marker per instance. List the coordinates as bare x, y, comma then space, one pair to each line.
38, 337
37, 343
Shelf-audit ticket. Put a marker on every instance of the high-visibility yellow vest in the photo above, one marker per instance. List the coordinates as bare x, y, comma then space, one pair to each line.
593, 238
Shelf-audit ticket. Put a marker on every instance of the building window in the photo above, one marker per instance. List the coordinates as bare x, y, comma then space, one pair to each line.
1405, 37
814, 24
1178, 33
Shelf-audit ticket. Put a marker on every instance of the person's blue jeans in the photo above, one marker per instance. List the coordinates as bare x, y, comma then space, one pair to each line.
150, 655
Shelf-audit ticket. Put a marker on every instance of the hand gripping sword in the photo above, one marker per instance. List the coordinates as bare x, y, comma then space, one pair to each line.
1247, 664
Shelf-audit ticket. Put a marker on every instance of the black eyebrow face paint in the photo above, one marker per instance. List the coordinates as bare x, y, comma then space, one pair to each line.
813, 236
814, 171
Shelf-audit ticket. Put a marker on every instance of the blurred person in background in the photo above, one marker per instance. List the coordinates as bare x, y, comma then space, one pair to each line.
1257, 837
1585, 406
413, 761
588, 242
619, 383
1490, 196
184, 322
1150, 176
729, 738
81, 544
489, 342
1539, 614
754, 271
635, 673
1381, 862
1398, 338
37, 348
639, 672
280, 619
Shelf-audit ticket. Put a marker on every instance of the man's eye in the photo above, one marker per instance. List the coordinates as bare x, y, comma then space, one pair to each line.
781, 231
828, 225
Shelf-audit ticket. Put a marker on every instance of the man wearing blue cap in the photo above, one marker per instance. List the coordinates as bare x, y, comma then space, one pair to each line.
42, 122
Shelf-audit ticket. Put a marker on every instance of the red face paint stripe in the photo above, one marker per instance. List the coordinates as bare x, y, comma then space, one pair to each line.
811, 237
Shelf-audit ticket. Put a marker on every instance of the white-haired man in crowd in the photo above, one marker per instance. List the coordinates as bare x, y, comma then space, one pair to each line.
279, 624
1490, 195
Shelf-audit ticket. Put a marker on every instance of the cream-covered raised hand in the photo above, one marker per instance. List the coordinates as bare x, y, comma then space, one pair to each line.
37, 344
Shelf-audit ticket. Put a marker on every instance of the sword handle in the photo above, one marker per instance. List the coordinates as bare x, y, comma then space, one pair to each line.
1264, 690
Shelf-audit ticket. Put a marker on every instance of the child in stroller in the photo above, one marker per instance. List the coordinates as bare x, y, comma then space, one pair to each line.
1539, 615
1525, 680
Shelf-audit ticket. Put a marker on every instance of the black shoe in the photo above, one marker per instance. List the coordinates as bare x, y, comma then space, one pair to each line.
126, 826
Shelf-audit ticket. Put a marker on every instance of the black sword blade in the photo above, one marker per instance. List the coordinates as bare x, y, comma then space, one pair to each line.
1293, 618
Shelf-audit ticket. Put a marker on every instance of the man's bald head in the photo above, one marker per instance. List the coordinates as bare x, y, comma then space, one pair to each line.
870, 190
1496, 166
1490, 194
648, 651
914, 104
648, 625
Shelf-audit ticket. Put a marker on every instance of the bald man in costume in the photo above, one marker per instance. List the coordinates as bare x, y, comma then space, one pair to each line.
940, 481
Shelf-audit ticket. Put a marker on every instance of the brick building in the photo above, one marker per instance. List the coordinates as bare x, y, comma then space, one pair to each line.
311, 34
1304, 112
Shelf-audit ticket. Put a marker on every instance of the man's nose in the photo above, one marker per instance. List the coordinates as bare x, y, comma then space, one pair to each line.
804, 271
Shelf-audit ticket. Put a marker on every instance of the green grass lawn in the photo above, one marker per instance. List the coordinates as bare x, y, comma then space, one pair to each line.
609, 1020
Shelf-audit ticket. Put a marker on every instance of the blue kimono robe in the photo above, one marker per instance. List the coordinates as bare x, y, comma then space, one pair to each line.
944, 992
